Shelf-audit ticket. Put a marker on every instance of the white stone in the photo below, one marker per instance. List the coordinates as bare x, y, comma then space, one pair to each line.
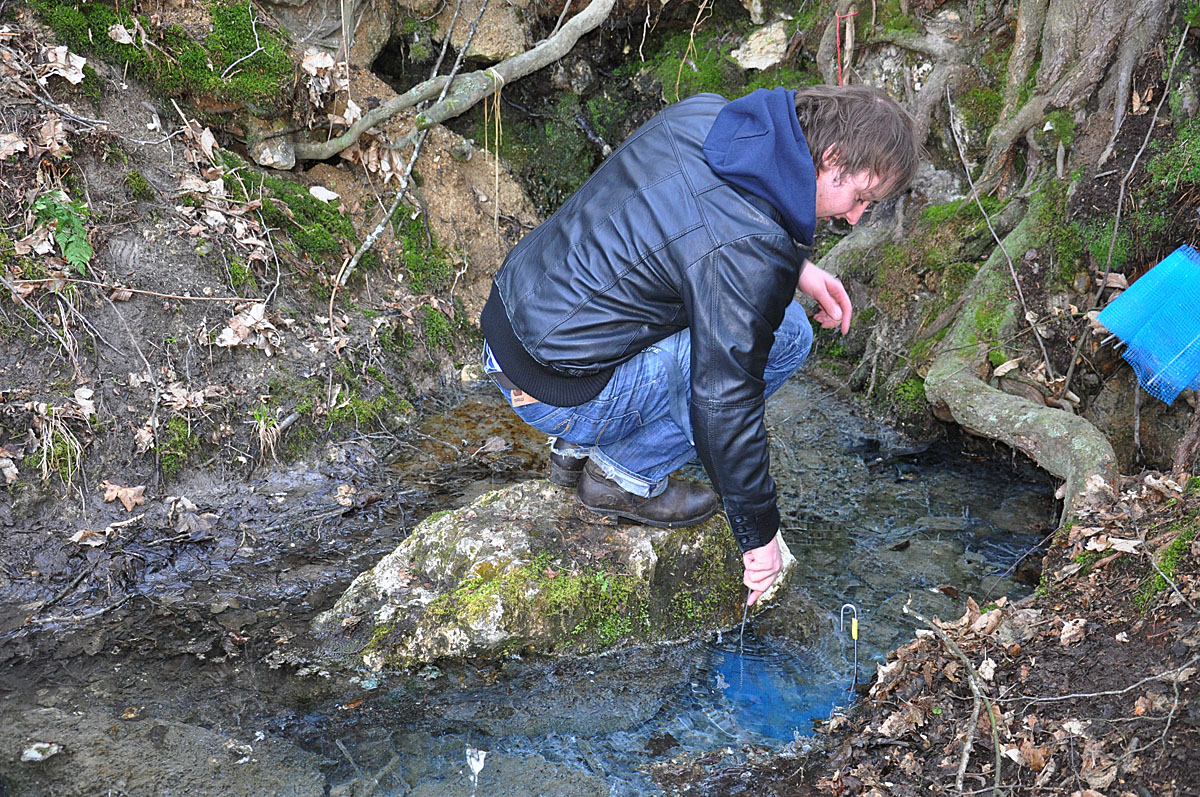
764, 48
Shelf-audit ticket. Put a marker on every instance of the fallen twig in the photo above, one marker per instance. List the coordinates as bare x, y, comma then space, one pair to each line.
1110, 692
111, 287
977, 689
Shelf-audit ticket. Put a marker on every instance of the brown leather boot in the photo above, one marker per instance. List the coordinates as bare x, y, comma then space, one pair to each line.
565, 468
683, 503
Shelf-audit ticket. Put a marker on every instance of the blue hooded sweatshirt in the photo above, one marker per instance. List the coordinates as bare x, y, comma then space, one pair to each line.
756, 143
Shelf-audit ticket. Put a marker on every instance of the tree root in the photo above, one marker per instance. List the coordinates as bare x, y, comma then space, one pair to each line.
1066, 445
466, 90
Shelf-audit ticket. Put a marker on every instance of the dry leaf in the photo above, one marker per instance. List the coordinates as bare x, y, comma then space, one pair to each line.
1072, 631
89, 538
83, 397
1004, 368
8, 470
129, 496
1034, 757
10, 144
322, 193
61, 61
144, 439
118, 33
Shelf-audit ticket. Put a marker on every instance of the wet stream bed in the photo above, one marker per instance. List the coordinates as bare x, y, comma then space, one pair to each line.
193, 676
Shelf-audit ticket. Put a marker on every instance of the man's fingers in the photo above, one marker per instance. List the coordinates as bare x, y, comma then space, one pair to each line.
754, 596
842, 298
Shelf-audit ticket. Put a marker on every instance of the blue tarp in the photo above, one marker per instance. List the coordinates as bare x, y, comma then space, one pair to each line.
1158, 319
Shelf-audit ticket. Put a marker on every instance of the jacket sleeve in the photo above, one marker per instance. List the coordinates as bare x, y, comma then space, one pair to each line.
736, 298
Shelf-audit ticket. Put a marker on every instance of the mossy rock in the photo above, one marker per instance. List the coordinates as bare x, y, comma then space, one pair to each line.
524, 569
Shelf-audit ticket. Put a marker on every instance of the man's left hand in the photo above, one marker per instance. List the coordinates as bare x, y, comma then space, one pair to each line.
762, 566
830, 294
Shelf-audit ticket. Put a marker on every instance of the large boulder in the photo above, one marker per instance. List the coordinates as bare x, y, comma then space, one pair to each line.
523, 568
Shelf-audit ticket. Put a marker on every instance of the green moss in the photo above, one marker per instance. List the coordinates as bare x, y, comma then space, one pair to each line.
1062, 123
174, 447
437, 329
241, 277
137, 186
1177, 163
394, 337
314, 230
980, 108
200, 70
600, 609
909, 396
1168, 560
893, 20
61, 457
685, 66
608, 114
91, 85
428, 269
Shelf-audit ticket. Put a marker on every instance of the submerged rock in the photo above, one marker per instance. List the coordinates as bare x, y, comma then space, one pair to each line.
523, 568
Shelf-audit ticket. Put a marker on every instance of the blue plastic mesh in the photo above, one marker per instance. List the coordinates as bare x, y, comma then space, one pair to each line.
1158, 319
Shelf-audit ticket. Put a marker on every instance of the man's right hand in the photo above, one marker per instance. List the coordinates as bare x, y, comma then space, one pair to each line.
762, 566
829, 293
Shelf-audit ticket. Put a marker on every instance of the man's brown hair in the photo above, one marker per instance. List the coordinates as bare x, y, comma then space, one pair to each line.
867, 131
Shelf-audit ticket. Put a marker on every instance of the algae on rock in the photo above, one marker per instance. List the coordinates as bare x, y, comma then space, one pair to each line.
522, 569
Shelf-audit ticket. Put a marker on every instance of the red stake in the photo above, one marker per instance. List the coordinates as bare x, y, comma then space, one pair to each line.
839, 18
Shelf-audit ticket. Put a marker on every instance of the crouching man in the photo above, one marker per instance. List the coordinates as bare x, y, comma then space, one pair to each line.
648, 319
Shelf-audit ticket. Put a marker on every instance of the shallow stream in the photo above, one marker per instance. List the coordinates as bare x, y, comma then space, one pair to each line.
872, 520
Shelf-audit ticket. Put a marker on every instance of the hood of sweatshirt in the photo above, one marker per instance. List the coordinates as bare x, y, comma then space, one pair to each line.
756, 143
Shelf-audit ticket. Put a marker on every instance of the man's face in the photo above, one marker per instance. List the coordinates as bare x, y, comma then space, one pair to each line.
842, 195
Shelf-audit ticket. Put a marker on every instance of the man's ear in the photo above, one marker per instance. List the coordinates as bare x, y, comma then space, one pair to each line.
831, 162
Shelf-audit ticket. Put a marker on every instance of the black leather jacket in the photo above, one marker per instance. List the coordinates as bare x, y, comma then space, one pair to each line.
652, 243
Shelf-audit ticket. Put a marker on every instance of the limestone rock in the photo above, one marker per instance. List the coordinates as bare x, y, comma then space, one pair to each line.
272, 151
764, 48
502, 32
524, 568
756, 9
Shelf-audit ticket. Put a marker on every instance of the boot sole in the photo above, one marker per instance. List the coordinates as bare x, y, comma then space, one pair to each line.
661, 524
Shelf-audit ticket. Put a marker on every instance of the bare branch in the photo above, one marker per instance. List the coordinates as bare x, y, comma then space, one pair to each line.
467, 89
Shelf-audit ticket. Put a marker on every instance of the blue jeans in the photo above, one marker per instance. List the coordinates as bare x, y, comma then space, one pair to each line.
636, 430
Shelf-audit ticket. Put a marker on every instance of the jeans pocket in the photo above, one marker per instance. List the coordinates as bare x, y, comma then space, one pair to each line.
546, 418
602, 431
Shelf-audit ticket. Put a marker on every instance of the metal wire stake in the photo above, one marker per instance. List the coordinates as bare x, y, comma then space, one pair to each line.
853, 631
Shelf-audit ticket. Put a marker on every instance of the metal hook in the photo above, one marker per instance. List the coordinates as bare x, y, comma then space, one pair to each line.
853, 631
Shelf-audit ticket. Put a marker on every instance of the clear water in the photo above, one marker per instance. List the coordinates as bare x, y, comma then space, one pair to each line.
870, 522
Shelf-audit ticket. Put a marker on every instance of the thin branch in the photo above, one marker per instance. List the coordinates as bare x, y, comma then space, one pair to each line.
1011, 269
112, 287
257, 44
348, 268
1162, 676
977, 688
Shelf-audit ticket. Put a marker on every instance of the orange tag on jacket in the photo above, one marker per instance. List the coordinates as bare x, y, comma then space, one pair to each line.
520, 398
